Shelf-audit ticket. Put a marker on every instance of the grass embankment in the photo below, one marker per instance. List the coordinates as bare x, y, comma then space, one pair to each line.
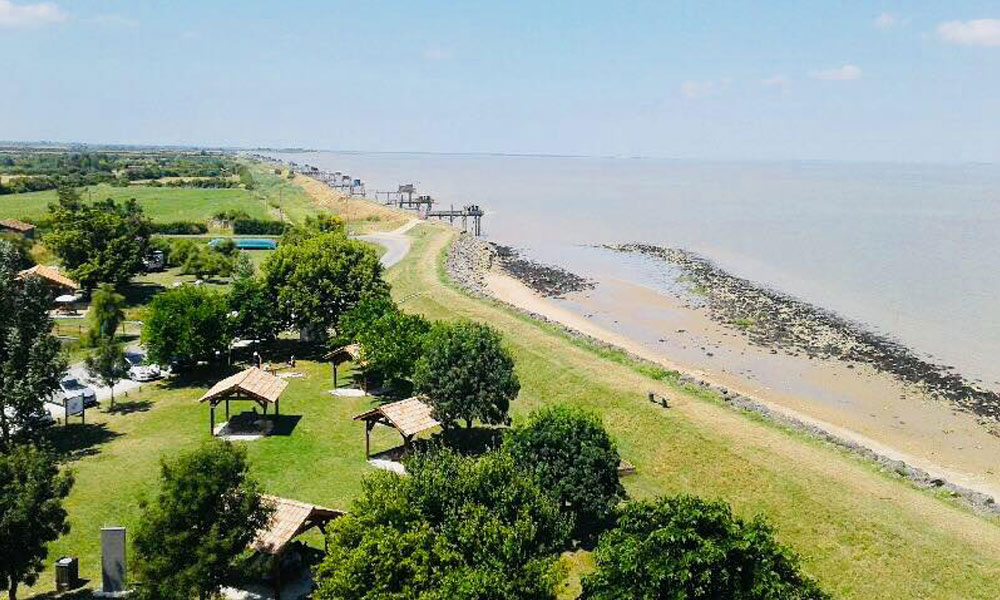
360, 215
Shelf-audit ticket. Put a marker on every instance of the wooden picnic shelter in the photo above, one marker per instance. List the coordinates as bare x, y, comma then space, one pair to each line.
252, 384
348, 353
290, 519
27, 230
409, 417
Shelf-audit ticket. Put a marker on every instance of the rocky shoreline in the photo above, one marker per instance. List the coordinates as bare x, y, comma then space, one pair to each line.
468, 261
783, 323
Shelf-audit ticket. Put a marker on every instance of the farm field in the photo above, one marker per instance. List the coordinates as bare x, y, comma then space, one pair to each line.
161, 204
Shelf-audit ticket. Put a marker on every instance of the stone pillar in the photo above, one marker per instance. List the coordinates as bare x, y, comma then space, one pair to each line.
113, 560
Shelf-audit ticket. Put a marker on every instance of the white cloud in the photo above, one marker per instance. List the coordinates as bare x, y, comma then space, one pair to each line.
699, 89
977, 32
112, 20
436, 53
845, 73
886, 20
29, 15
778, 80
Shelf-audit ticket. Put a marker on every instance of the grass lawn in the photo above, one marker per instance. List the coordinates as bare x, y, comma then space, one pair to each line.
161, 204
863, 533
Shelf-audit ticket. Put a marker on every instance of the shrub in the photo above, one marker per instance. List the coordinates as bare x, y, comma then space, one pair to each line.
685, 547
258, 227
180, 228
572, 457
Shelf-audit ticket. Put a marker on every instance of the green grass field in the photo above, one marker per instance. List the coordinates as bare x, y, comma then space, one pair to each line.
863, 533
161, 204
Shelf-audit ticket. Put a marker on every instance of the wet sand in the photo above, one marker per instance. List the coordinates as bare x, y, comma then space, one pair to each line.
852, 401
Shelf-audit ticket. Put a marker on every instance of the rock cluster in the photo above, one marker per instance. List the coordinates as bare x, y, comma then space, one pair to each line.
548, 280
777, 321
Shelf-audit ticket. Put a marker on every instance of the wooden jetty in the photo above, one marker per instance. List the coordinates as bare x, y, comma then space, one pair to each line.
471, 210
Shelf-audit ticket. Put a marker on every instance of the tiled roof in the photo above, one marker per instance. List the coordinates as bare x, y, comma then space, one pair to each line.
16, 225
50, 273
345, 353
253, 382
409, 417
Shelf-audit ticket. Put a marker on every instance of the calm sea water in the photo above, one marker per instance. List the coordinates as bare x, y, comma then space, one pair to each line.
909, 250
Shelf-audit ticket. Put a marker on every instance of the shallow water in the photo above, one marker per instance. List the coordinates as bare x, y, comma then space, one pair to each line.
910, 250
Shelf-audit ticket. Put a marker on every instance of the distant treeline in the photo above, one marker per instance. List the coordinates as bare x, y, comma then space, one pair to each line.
258, 227
105, 167
180, 228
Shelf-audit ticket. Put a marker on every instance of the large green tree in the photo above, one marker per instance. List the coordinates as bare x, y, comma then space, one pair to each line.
467, 374
685, 547
31, 513
253, 313
31, 360
191, 536
391, 340
455, 528
315, 281
573, 458
105, 241
187, 324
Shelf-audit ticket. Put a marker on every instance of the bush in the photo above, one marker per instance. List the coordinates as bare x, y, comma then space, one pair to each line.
572, 457
180, 228
685, 547
258, 227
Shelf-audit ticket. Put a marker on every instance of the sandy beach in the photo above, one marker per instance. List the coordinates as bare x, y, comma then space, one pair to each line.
854, 402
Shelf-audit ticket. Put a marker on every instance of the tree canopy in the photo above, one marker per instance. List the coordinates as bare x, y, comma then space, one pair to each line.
31, 360
454, 528
107, 311
253, 313
31, 513
390, 340
105, 241
686, 547
187, 324
190, 537
466, 374
315, 281
574, 460
107, 364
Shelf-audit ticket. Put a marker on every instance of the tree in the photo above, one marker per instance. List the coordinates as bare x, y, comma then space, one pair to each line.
31, 360
391, 340
187, 324
454, 528
31, 513
107, 364
205, 262
315, 281
467, 374
208, 509
685, 547
253, 315
107, 311
573, 458
101, 242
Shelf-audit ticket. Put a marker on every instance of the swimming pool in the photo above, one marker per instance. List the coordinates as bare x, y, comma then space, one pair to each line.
248, 244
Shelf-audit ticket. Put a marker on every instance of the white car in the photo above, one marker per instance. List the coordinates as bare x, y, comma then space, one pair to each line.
137, 370
71, 387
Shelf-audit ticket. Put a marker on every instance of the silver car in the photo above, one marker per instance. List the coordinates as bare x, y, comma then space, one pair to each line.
71, 388
138, 370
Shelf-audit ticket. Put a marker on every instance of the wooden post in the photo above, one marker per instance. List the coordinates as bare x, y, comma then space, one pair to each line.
211, 422
368, 430
334, 365
227, 408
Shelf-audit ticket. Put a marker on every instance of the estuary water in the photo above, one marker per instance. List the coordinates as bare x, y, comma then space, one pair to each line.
911, 251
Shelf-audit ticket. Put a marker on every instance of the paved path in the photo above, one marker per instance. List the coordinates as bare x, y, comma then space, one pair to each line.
396, 243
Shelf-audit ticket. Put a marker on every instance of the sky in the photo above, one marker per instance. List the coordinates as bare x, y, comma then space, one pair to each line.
855, 81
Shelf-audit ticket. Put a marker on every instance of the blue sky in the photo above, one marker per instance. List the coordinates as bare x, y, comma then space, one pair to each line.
913, 81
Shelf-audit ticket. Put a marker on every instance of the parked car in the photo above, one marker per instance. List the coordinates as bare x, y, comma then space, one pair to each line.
71, 387
40, 419
138, 370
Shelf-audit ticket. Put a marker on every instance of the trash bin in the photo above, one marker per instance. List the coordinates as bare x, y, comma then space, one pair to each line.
67, 573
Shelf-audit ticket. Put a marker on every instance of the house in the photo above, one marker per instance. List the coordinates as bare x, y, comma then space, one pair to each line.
27, 230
